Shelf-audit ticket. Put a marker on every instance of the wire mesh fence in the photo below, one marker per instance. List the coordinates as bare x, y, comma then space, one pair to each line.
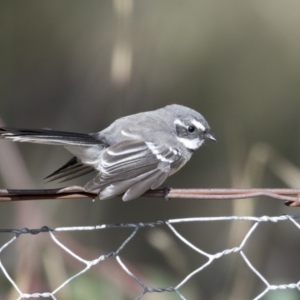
170, 225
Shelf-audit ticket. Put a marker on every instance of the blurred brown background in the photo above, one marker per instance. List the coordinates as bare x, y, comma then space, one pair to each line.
79, 65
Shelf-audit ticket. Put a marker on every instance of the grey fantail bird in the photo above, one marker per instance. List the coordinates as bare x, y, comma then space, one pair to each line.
132, 155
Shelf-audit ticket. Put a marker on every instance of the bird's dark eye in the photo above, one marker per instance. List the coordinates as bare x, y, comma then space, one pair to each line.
191, 128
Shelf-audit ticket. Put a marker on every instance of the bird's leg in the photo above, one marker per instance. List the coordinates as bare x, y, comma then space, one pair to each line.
166, 188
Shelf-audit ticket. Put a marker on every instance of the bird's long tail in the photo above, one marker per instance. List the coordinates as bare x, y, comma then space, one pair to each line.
47, 136
77, 143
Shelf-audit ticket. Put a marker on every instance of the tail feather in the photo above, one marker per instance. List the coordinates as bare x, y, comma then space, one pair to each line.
85, 171
48, 136
73, 162
72, 169
80, 169
82, 145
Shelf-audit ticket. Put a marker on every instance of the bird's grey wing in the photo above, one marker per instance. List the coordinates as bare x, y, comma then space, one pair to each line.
133, 166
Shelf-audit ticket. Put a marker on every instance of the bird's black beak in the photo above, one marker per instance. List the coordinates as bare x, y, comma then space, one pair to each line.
210, 137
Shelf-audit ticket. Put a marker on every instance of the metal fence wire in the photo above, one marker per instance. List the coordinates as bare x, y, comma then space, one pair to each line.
136, 227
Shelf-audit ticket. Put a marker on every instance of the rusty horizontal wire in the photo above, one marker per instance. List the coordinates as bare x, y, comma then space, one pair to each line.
291, 197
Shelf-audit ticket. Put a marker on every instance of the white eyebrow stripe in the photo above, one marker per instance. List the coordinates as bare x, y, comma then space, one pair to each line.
178, 122
199, 125
195, 122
